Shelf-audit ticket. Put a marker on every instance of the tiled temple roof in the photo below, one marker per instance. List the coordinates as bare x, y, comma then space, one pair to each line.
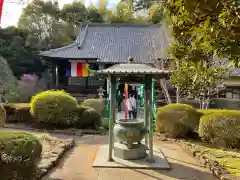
114, 43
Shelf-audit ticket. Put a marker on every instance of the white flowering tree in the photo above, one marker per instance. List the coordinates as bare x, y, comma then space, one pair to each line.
8, 83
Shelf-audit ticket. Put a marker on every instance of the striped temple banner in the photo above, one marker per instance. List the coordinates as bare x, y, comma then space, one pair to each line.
77, 69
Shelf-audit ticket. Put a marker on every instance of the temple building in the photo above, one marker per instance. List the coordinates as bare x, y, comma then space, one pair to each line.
99, 46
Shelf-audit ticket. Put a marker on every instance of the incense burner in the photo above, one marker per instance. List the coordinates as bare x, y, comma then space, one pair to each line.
129, 131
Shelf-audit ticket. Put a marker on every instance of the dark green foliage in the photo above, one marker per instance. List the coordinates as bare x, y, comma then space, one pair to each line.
88, 118
221, 127
20, 153
54, 107
18, 112
177, 119
2, 115
96, 104
21, 59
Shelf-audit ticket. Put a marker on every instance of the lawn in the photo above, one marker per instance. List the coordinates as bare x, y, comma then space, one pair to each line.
228, 159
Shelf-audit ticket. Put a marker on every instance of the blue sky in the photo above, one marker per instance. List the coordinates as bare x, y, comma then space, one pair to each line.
12, 11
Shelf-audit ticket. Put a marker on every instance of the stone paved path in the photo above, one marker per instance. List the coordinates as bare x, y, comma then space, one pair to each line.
77, 164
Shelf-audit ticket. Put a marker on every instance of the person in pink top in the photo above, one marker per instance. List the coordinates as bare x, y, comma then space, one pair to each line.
132, 107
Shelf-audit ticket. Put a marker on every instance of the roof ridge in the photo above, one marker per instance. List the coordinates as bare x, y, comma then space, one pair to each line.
83, 37
75, 43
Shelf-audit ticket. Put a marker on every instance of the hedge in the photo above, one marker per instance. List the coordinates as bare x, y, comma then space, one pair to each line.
88, 118
54, 107
209, 111
221, 127
177, 119
18, 112
97, 104
19, 154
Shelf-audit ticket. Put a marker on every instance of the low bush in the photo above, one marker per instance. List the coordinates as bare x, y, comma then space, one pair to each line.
2, 115
177, 119
54, 107
221, 127
209, 111
88, 118
18, 112
19, 154
81, 109
96, 104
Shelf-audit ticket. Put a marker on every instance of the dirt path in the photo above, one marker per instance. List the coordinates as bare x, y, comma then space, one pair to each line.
77, 164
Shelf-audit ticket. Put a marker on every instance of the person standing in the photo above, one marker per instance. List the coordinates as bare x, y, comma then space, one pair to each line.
119, 100
132, 107
129, 107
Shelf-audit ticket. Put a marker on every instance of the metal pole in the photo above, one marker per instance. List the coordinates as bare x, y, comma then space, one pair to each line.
112, 116
146, 110
150, 127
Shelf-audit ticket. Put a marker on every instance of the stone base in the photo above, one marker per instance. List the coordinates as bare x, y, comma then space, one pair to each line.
138, 151
101, 161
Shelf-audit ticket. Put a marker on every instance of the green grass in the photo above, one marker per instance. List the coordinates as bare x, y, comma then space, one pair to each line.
228, 159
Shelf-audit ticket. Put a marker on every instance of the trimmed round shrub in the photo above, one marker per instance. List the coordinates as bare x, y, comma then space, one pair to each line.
177, 119
2, 115
88, 118
19, 155
54, 107
81, 109
159, 122
96, 104
221, 127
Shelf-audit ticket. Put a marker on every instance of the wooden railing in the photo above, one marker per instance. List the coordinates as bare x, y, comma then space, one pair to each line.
90, 81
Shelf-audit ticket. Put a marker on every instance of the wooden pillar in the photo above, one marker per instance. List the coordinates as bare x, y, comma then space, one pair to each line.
146, 107
112, 116
87, 81
57, 77
150, 123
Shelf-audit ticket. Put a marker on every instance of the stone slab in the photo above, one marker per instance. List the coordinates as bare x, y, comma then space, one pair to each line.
101, 161
138, 151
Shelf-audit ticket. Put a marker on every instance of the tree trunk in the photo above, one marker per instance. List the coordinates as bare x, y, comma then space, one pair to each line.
201, 103
207, 102
178, 95
178, 89
204, 103
165, 90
